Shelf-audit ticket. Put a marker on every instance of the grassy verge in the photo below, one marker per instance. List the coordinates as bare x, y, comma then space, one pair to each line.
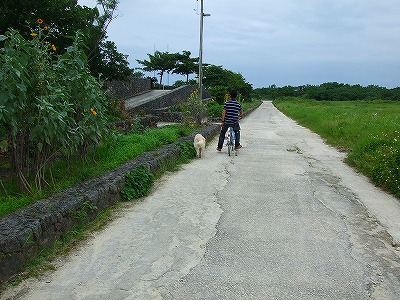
106, 157
368, 130
44, 261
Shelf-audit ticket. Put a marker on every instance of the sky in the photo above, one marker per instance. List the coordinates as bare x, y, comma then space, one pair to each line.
285, 42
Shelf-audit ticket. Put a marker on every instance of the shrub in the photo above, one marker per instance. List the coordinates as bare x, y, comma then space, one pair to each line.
187, 150
49, 104
194, 110
214, 109
138, 183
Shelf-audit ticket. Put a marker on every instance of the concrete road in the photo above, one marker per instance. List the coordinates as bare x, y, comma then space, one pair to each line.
285, 219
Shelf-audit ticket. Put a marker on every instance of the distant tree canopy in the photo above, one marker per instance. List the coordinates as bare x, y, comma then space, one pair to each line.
165, 62
162, 62
220, 81
330, 91
186, 65
62, 19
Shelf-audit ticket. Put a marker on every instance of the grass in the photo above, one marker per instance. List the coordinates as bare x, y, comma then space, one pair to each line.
106, 157
44, 261
369, 131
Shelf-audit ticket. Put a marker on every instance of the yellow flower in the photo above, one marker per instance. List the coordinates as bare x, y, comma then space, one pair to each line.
132, 124
45, 27
53, 47
93, 111
40, 21
33, 34
39, 83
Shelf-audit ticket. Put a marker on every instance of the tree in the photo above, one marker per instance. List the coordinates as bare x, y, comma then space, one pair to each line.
186, 65
62, 19
110, 63
218, 79
161, 62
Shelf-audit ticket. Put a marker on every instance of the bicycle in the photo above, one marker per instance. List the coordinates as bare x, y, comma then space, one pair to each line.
230, 141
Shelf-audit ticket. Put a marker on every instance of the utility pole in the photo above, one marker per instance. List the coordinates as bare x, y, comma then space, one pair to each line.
202, 15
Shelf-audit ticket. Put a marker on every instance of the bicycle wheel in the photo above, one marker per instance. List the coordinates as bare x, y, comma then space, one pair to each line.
231, 145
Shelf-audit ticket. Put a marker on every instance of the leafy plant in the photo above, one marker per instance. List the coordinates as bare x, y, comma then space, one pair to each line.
194, 109
187, 150
138, 183
49, 104
214, 109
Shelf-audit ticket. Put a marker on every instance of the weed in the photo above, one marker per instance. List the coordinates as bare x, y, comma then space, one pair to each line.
138, 183
187, 151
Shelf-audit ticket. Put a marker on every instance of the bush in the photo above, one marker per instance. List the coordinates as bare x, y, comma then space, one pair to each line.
187, 150
50, 105
138, 183
214, 109
194, 110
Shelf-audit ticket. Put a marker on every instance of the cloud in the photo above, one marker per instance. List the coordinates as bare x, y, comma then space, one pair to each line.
286, 42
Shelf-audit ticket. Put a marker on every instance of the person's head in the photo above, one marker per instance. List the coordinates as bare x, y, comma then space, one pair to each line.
233, 94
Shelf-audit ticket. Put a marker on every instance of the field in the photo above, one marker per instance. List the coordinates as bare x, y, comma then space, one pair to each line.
369, 131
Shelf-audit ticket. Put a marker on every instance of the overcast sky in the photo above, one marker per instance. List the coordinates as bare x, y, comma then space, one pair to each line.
285, 42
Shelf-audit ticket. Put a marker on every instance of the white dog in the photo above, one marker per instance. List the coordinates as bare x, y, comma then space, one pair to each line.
199, 144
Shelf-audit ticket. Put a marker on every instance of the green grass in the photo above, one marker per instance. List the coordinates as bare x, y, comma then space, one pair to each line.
369, 131
44, 261
106, 157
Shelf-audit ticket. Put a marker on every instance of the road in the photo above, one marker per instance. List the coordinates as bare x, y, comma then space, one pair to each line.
285, 219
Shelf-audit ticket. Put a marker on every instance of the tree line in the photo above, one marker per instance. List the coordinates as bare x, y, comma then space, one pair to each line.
216, 79
330, 91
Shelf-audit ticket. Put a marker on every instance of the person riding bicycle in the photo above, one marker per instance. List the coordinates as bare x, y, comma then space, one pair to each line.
230, 118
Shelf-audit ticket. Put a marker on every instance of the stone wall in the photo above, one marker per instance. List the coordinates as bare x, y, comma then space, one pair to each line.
26, 231
126, 89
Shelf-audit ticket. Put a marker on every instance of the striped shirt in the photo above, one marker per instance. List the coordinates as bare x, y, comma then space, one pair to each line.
232, 108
